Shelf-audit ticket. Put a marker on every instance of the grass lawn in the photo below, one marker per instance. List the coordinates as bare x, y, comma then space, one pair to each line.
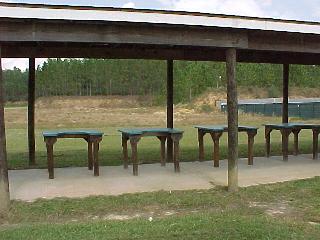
73, 152
279, 211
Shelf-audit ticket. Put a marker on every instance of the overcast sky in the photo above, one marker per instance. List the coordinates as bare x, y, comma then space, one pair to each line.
308, 10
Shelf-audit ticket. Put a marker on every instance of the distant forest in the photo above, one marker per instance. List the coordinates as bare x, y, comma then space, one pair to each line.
90, 77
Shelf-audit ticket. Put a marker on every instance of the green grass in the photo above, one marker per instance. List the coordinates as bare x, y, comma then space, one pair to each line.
197, 226
73, 152
205, 214
21, 104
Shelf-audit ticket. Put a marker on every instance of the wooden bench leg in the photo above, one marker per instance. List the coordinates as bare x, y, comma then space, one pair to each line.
125, 151
251, 135
268, 141
176, 151
96, 142
201, 145
163, 150
216, 148
134, 155
315, 133
296, 141
90, 155
49, 144
285, 143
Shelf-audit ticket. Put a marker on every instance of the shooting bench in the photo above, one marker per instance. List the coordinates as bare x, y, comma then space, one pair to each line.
134, 135
93, 139
216, 133
286, 129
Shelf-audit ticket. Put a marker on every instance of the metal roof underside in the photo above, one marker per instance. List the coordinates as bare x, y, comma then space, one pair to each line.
51, 12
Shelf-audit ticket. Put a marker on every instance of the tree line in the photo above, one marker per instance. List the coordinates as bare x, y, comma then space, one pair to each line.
91, 77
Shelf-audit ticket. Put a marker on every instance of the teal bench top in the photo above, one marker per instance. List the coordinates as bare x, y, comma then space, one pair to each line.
281, 125
224, 128
307, 125
292, 125
141, 131
217, 128
60, 133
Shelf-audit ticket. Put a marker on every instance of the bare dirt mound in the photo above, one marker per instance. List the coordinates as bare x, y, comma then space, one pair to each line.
212, 97
84, 102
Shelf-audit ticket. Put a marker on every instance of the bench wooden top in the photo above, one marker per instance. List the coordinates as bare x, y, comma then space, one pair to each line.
61, 133
223, 128
292, 126
142, 131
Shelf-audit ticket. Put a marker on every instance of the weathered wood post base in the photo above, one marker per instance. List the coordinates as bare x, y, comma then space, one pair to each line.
4, 198
134, 155
232, 101
176, 151
216, 148
315, 133
201, 135
268, 141
251, 135
4, 180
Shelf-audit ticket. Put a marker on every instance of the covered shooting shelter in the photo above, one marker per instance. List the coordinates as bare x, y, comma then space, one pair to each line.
47, 31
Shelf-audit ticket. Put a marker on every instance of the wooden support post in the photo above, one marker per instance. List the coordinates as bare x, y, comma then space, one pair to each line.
50, 159
216, 148
315, 133
31, 110
232, 101
296, 141
176, 156
169, 107
163, 150
90, 154
96, 143
251, 135
285, 143
285, 104
4, 180
268, 141
125, 151
201, 145
134, 155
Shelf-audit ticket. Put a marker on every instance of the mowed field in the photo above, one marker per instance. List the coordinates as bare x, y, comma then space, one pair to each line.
278, 211
110, 114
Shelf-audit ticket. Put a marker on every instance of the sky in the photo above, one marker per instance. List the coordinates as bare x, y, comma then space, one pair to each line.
306, 10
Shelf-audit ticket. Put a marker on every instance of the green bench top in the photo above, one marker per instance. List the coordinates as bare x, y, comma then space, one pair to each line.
141, 131
217, 128
60, 133
292, 125
308, 125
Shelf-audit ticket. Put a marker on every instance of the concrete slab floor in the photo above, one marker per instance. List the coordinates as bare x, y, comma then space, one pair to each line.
29, 185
